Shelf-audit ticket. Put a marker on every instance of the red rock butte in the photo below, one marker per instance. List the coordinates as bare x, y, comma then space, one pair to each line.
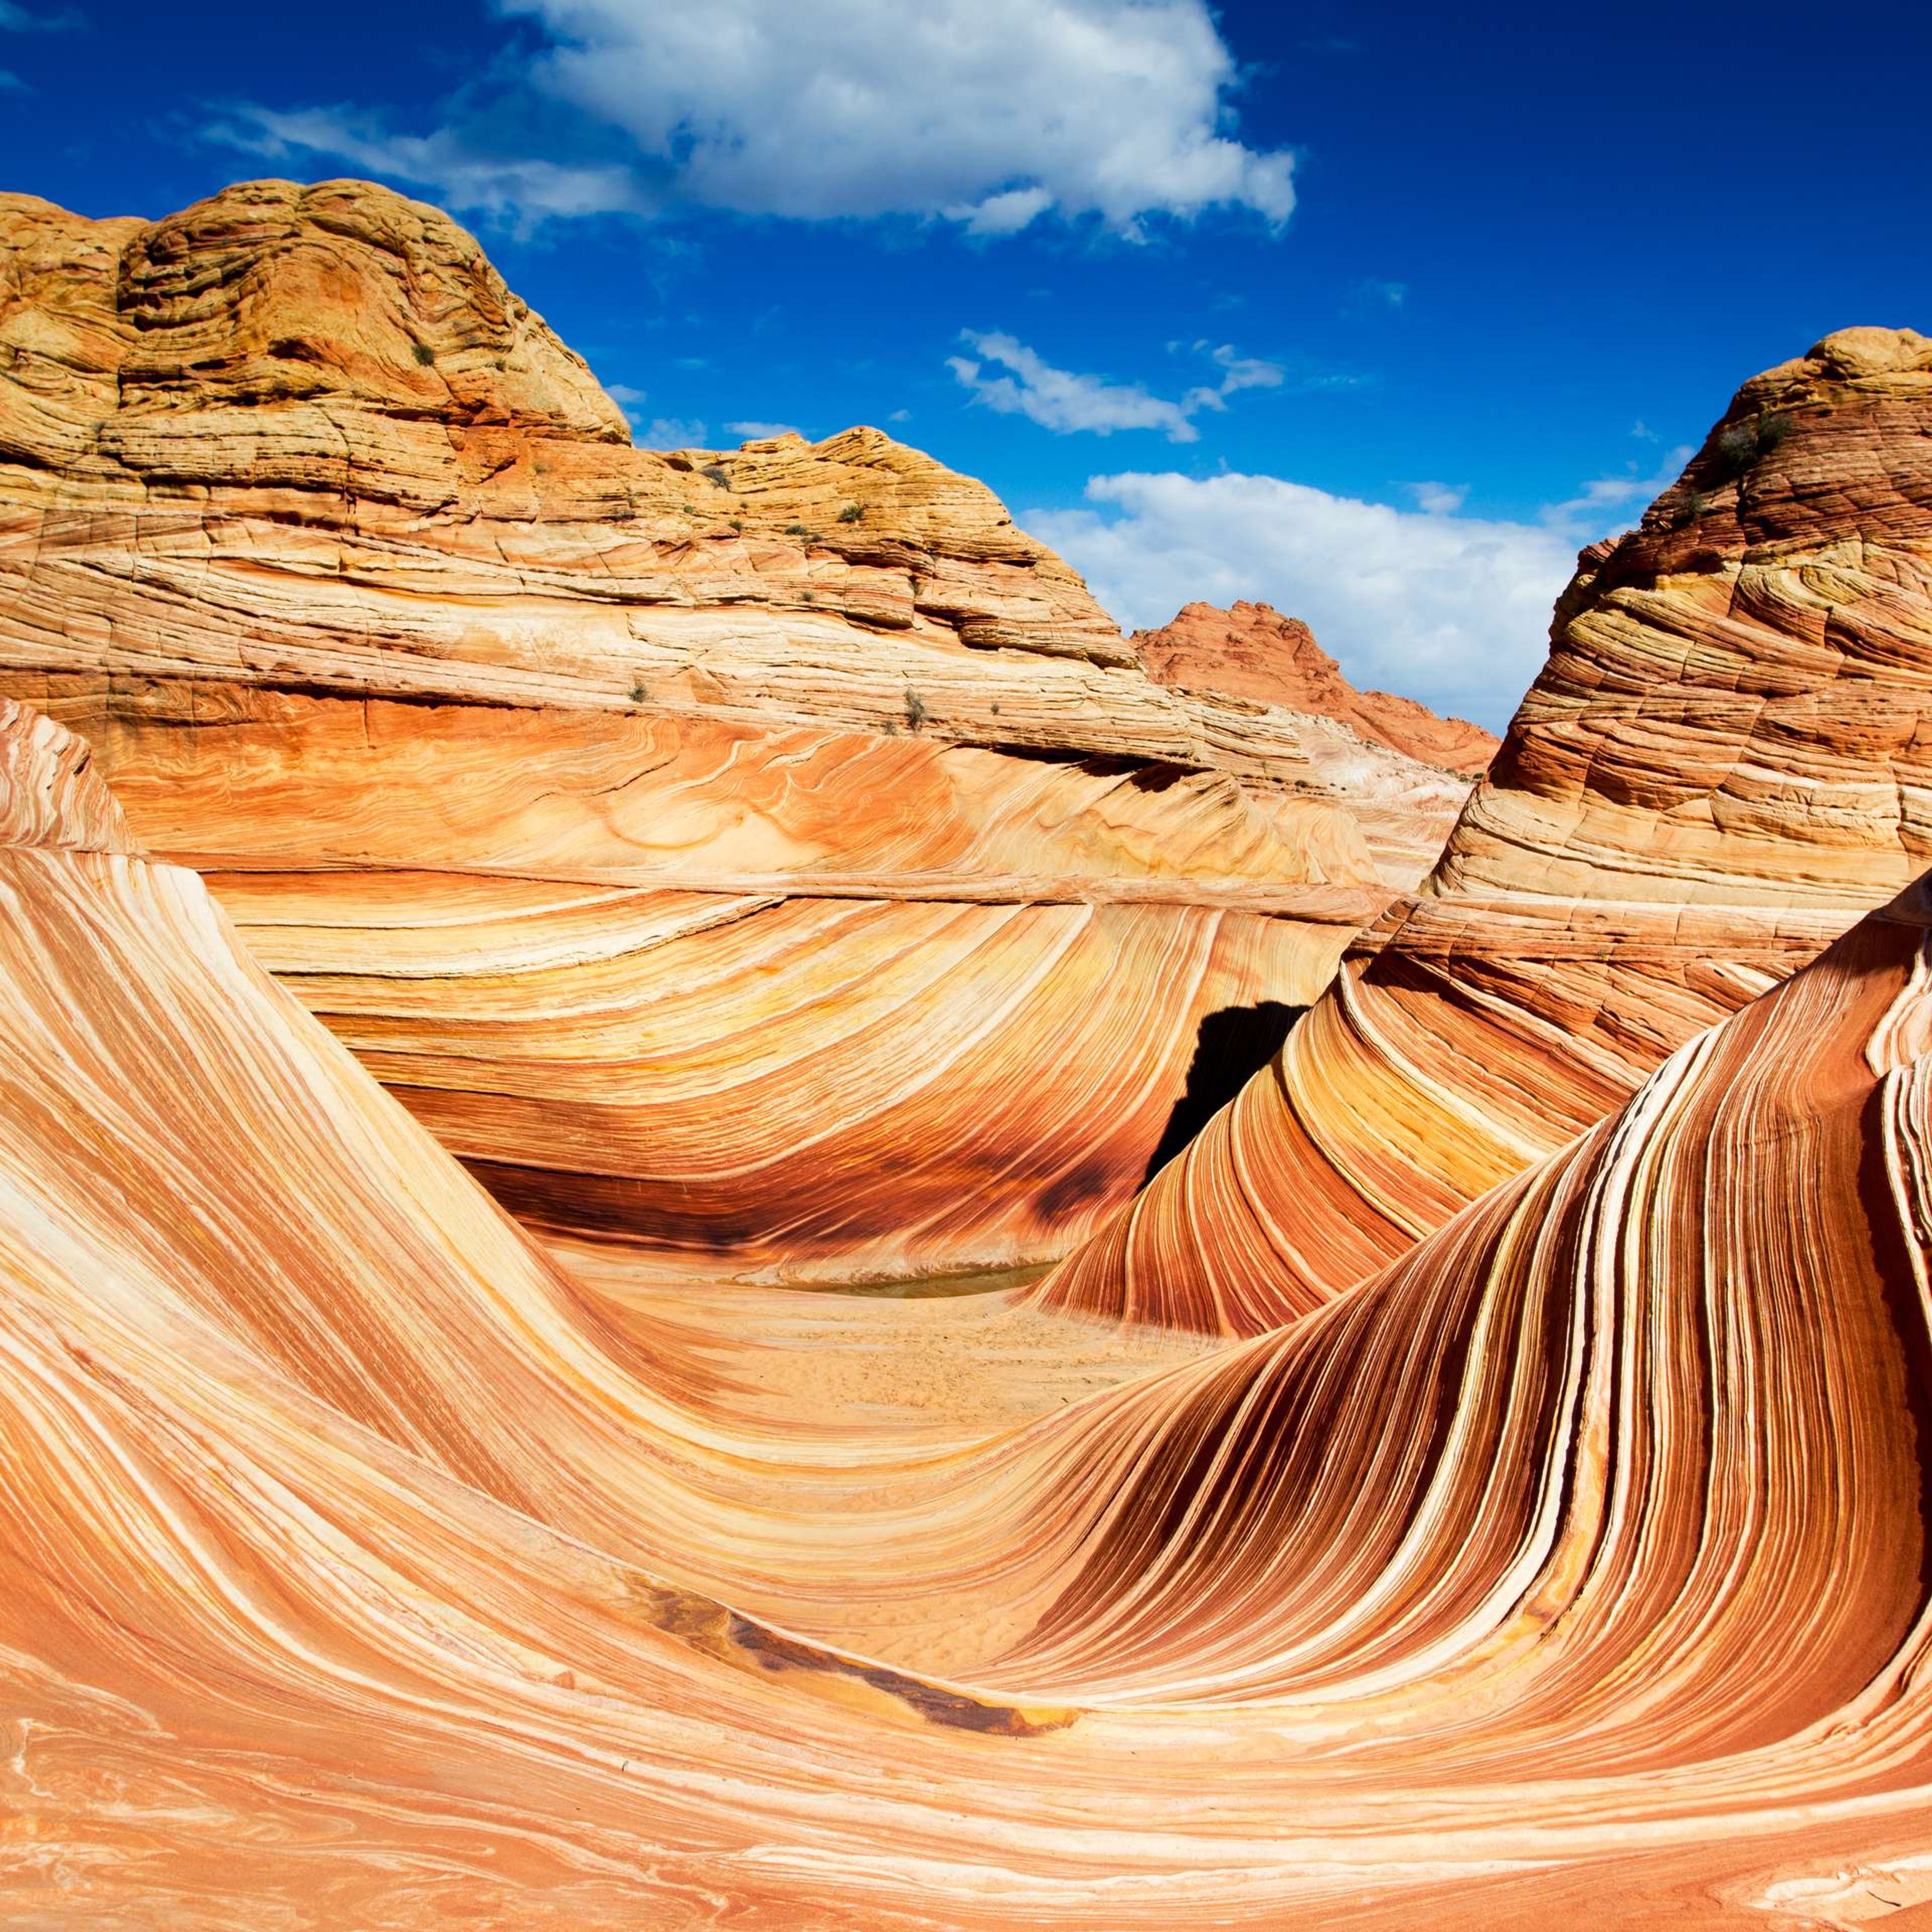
1482, 1480
1251, 650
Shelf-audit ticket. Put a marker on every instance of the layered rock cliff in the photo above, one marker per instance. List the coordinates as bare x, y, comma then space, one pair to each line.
1724, 762
770, 852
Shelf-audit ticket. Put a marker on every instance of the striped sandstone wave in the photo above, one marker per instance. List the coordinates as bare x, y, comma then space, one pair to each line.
1727, 760
346, 567
369, 1566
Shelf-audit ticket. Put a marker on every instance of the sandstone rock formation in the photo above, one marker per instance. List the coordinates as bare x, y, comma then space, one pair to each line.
1251, 650
1405, 772
367, 1567
770, 852
1725, 760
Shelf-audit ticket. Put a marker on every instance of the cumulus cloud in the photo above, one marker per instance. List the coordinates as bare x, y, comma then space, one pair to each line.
756, 432
1439, 499
673, 433
513, 188
1453, 610
993, 114
1064, 401
987, 111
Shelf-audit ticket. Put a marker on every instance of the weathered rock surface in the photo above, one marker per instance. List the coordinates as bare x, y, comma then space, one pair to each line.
771, 852
365, 1566
1726, 759
1251, 650
1405, 772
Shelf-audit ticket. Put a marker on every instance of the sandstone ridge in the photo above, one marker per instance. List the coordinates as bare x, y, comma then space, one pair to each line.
624, 809
1726, 759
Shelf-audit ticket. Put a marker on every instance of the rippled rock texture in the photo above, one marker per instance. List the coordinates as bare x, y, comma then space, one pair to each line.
367, 1566
1727, 759
772, 853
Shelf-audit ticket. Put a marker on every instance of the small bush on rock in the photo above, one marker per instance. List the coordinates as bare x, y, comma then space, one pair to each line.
1745, 444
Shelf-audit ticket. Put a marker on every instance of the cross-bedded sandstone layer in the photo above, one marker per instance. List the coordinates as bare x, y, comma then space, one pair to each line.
1726, 759
367, 1566
772, 852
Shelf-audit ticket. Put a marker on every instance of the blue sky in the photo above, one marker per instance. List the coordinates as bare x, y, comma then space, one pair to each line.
1376, 312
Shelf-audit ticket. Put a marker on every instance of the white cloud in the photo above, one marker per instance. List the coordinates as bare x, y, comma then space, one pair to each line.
900, 415
987, 111
1453, 610
673, 432
1063, 401
12, 83
756, 432
1439, 499
990, 113
524, 190
1005, 213
1237, 372
1602, 494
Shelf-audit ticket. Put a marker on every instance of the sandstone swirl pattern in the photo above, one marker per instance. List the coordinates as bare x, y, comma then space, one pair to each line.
1725, 760
728, 851
367, 1568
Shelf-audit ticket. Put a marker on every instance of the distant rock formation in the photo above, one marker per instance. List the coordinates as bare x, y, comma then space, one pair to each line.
1405, 773
771, 853
1251, 650
1726, 760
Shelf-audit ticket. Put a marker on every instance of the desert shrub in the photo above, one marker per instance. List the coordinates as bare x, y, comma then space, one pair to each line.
1745, 444
640, 692
424, 354
797, 530
736, 523
714, 473
915, 709
853, 513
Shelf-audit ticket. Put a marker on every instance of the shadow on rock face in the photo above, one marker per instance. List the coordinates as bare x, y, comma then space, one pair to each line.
1233, 1043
